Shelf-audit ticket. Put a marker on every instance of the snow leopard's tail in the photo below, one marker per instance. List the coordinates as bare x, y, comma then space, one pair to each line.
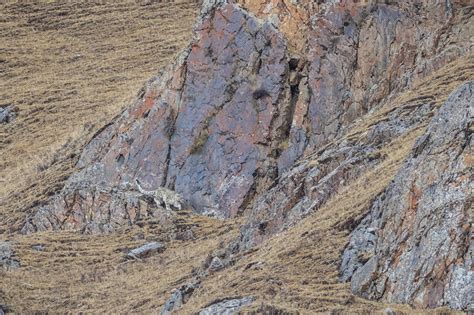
143, 191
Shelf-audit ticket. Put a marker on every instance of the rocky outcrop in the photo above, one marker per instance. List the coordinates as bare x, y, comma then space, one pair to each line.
311, 182
240, 105
414, 246
208, 128
357, 53
252, 121
8, 258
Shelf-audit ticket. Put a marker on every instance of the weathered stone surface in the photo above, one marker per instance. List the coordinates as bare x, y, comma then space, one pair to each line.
359, 53
208, 128
313, 180
226, 306
146, 250
216, 264
418, 232
237, 109
8, 259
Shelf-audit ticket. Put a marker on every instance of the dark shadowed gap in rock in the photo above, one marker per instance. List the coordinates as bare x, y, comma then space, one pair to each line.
298, 70
260, 93
169, 129
120, 159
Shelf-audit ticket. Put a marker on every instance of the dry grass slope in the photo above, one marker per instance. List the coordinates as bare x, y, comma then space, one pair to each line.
69, 67
296, 270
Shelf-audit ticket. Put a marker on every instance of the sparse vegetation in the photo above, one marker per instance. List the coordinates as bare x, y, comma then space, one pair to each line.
72, 68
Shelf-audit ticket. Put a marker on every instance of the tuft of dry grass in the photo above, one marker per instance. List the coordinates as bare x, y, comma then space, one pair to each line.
69, 68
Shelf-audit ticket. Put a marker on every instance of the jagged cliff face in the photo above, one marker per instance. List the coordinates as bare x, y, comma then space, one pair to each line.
414, 245
253, 121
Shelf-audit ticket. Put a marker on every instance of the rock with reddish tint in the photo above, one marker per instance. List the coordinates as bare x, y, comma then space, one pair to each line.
313, 180
208, 127
235, 110
358, 54
420, 228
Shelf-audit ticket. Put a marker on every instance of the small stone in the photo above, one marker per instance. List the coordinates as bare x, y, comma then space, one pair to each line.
216, 264
173, 303
38, 247
179, 297
388, 311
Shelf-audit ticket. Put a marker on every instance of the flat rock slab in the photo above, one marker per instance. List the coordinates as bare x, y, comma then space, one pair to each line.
146, 250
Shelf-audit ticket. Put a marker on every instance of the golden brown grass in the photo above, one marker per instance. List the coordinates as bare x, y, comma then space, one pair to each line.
296, 270
69, 68
79, 273
63, 98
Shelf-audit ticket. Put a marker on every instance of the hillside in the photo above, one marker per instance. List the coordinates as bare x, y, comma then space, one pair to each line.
67, 69
288, 157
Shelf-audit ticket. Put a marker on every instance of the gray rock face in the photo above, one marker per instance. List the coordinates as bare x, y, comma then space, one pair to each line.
146, 250
226, 306
417, 233
307, 186
8, 259
208, 128
235, 111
